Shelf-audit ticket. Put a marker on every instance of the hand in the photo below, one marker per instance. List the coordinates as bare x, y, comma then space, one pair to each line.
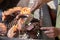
10, 34
9, 12
38, 3
3, 29
12, 31
51, 32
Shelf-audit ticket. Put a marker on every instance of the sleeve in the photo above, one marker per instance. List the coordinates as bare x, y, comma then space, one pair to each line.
58, 17
0, 15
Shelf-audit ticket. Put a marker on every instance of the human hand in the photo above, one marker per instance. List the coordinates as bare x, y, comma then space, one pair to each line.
51, 32
12, 31
3, 29
37, 4
10, 34
8, 12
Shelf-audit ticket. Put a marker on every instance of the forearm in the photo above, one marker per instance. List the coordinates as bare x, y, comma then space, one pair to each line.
45, 1
38, 4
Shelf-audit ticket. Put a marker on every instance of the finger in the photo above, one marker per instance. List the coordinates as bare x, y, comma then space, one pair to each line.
3, 27
10, 35
48, 32
11, 10
51, 35
45, 28
13, 34
8, 12
17, 8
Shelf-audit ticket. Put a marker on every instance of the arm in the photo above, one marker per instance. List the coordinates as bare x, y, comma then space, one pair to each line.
51, 32
38, 3
3, 29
